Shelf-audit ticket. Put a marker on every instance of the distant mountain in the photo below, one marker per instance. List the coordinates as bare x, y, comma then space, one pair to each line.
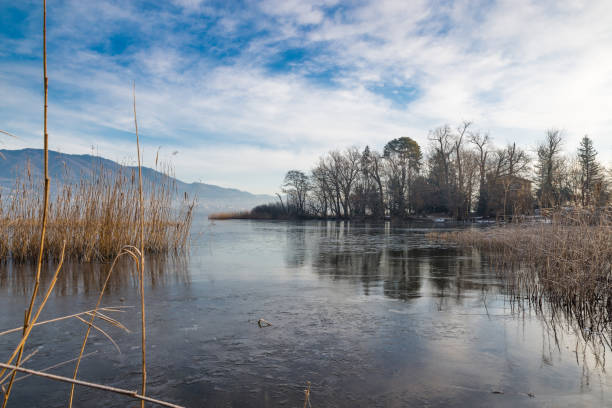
69, 167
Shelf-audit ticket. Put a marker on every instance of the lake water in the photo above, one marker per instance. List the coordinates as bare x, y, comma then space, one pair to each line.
370, 314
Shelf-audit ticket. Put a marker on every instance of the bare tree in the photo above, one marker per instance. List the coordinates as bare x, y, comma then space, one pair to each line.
349, 170
296, 186
369, 195
321, 192
481, 141
547, 169
442, 148
461, 166
332, 164
462, 130
376, 172
517, 161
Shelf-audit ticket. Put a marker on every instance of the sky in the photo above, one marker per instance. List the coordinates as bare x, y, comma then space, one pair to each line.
235, 93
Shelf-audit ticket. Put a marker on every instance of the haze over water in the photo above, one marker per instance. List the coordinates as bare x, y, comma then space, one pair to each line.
370, 314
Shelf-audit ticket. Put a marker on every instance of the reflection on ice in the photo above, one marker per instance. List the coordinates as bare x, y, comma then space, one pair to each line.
371, 315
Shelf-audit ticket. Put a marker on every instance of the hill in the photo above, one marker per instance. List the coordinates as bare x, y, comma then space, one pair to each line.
69, 167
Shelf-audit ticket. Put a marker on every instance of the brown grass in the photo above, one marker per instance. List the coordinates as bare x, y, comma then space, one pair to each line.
96, 217
567, 262
129, 393
239, 215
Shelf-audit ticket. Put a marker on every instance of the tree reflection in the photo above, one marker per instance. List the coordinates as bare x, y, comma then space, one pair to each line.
295, 255
393, 258
402, 275
401, 264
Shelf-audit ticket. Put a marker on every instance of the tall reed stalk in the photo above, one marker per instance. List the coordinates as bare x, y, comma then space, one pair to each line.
27, 324
141, 263
94, 210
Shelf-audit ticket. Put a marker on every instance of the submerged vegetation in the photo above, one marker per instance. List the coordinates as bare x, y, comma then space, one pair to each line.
95, 217
566, 262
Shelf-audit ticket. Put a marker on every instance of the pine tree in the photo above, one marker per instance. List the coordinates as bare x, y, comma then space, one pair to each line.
590, 170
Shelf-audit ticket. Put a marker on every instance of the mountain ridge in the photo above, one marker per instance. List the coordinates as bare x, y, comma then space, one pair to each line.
210, 197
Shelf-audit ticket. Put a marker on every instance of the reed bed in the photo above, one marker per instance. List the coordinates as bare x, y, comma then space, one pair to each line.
271, 211
239, 215
566, 261
96, 216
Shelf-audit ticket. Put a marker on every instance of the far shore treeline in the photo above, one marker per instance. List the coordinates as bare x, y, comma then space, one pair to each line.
460, 174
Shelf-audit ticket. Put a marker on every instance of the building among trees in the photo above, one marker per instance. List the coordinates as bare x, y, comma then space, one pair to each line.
460, 174
510, 195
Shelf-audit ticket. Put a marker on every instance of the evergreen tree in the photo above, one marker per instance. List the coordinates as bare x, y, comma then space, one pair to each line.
590, 170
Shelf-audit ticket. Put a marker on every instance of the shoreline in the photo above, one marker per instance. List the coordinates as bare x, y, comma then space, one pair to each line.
433, 220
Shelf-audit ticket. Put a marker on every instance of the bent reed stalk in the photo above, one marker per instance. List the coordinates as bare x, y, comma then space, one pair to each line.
129, 393
85, 221
566, 261
136, 255
28, 321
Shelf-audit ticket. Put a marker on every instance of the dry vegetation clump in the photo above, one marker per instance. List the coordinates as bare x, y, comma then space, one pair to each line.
240, 215
96, 216
566, 261
270, 211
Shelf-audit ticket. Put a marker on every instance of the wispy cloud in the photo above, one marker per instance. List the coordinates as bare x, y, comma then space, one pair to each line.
247, 90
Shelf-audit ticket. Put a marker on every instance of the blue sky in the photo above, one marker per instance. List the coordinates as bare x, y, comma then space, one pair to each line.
244, 91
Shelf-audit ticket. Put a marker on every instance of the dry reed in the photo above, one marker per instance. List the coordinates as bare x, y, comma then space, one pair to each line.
29, 324
240, 215
28, 321
96, 216
566, 262
4, 132
135, 254
141, 263
129, 393
105, 209
307, 396
70, 316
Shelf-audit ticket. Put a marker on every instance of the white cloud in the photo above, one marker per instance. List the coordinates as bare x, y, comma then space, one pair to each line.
297, 11
514, 67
